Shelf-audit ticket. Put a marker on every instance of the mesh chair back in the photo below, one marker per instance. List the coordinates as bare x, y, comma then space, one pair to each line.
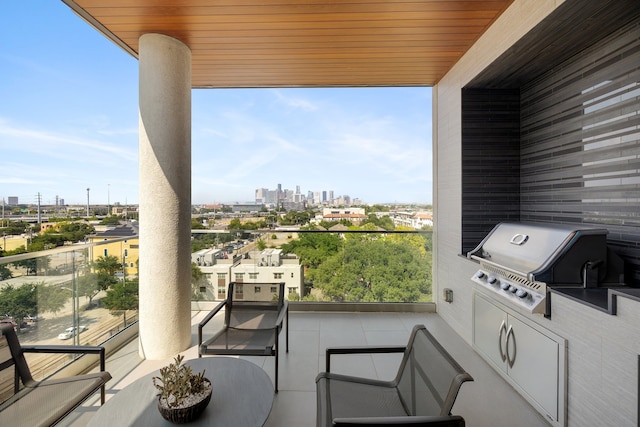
254, 314
429, 378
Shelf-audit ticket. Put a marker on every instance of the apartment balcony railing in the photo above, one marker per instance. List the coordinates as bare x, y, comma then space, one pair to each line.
58, 296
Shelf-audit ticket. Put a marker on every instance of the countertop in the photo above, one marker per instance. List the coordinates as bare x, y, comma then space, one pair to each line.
603, 299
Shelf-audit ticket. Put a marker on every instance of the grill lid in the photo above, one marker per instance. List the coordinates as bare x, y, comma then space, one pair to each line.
550, 253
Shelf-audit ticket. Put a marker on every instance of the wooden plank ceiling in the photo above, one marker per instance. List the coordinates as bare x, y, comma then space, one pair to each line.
303, 43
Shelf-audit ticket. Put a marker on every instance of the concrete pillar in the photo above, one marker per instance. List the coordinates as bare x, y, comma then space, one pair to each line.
165, 196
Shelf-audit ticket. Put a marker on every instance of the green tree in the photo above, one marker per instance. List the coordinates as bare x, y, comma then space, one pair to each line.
108, 265
90, 284
51, 299
19, 301
296, 218
235, 224
121, 297
261, 244
75, 231
14, 228
5, 273
384, 222
111, 220
31, 298
374, 270
197, 279
196, 224
203, 241
313, 248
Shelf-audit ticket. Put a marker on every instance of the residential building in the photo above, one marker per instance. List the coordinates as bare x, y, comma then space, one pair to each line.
125, 246
415, 220
267, 266
355, 215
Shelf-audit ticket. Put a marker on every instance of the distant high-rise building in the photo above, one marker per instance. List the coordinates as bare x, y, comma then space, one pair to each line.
12, 201
324, 197
261, 196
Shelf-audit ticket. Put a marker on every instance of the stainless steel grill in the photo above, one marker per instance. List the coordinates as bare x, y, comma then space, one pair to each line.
518, 261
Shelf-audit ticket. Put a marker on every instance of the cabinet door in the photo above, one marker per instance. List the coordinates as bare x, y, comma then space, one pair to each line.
490, 331
535, 364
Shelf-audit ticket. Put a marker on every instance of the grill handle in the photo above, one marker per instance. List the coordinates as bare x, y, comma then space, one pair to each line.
503, 329
511, 335
502, 267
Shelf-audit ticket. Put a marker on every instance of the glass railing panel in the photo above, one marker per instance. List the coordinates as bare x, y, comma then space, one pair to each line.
59, 296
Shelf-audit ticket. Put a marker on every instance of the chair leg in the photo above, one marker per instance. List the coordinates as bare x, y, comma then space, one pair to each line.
276, 386
276, 357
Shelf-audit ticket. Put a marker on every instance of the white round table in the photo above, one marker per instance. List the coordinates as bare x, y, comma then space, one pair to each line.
242, 397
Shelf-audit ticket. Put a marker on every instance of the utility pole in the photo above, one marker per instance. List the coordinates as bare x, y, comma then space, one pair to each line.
39, 210
88, 202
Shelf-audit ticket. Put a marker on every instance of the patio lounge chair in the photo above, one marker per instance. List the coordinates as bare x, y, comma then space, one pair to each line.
27, 402
250, 328
422, 393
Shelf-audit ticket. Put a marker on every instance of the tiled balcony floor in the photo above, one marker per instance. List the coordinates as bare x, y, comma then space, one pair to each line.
488, 401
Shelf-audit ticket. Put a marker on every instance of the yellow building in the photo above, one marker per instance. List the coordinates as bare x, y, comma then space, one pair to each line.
125, 250
11, 243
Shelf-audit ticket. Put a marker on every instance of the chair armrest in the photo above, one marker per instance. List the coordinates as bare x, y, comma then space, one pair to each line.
423, 420
207, 318
361, 350
84, 349
212, 313
282, 313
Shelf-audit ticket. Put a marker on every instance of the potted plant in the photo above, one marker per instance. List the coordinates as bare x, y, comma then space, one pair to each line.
183, 395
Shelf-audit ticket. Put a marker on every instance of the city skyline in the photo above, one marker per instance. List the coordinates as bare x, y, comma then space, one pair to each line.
70, 122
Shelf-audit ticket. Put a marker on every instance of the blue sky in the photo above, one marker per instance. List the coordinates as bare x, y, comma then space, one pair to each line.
69, 121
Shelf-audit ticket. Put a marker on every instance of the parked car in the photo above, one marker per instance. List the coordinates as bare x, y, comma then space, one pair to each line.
69, 332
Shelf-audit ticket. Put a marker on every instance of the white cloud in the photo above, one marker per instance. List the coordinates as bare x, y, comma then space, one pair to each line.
295, 102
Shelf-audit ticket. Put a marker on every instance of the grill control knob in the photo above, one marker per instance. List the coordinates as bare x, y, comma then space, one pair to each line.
480, 274
512, 289
505, 286
521, 293
492, 280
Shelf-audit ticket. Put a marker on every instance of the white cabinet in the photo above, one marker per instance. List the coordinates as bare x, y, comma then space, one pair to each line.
527, 355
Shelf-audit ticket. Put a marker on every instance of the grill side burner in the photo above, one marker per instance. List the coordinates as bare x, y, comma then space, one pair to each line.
519, 260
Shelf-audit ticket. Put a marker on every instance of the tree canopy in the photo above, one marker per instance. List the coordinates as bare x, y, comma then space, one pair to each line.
31, 298
313, 248
374, 270
366, 267
121, 297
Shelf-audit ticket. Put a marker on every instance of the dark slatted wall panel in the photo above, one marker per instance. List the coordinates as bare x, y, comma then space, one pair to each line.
580, 144
490, 161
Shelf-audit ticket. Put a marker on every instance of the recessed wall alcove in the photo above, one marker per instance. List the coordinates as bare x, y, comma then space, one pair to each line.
551, 129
